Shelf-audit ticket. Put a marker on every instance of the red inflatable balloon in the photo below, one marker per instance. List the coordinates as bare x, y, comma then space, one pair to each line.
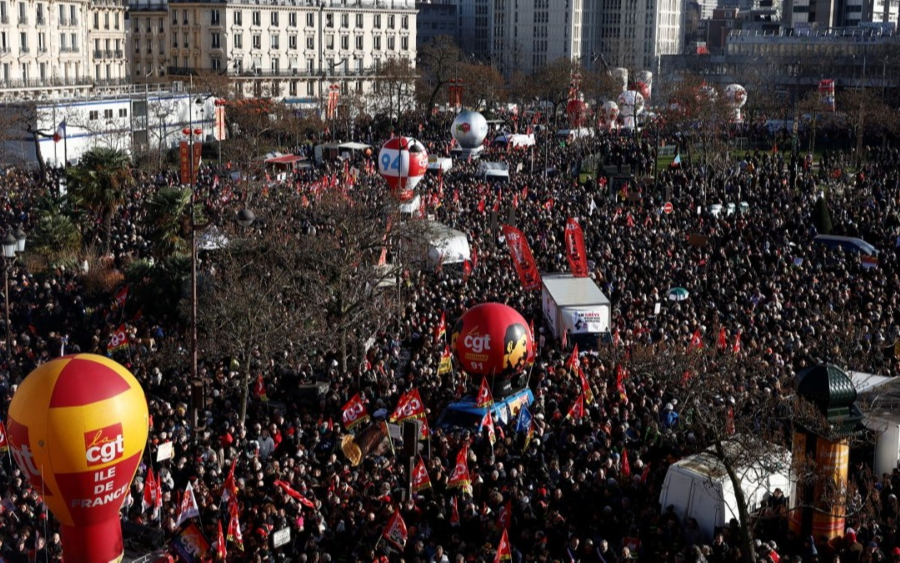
492, 339
577, 112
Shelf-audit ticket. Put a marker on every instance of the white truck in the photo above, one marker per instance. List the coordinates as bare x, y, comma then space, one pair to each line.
698, 487
575, 305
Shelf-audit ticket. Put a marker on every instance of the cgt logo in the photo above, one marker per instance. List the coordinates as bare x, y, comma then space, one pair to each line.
477, 344
104, 445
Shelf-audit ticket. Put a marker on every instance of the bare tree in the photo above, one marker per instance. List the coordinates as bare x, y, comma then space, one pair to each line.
439, 64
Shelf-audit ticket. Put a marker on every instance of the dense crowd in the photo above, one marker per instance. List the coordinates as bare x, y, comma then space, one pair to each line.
758, 274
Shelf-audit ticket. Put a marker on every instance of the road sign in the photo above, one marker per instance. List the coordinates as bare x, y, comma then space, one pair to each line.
667, 208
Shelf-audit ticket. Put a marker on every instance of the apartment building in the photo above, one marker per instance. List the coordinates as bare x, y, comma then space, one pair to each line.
278, 48
60, 48
634, 34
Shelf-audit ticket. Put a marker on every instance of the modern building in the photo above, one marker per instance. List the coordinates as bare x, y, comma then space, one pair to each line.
634, 34
823, 14
294, 49
55, 48
433, 20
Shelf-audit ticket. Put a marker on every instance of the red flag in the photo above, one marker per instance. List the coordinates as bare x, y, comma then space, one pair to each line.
496, 205
504, 518
474, 257
645, 473
440, 331
118, 340
576, 412
221, 551
548, 205
504, 552
575, 249
573, 359
454, 511
625, 465
487, 422
515, 201
522, 258
149, 500
629, 220
736, 347
467, 270
484, 398
617, 340
234, 527
420, 479
564, 341
729, 422
229, 488
294, 494
354, 413
481, 204
460, 475
4, 441
620, 379
121, 297
395, 532
261, 389
696, 341
585, 386
408, 407
722, 340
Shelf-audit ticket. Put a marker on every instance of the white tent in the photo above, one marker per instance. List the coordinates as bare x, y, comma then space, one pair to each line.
412, 205
443, 241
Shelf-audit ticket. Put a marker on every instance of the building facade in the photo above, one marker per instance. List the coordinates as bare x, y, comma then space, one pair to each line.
634, 34
823, 14
61, 48
278, 48
434, 19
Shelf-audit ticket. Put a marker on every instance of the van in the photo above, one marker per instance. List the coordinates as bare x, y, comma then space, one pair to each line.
698, 487
493, 171
848, 244
465, 415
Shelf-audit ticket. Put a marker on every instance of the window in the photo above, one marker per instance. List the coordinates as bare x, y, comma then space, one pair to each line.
377, 43
96, 20
292, 88
123, 112
42, 42
62, 13
186, 41
377, 23
40, 14
107, 114
93, 115
274, 18
359, 20
174, 17
404, 43
391, 21
216, 41
292, 42
329, 20
310, 89
292, 19
345, 21
238, 18
310, 20
274, 41
391, 43
404, 22
274, 65
74, 42
116, 20
216, 64
184, 17
359, 42
23, 41
73, 15
175, 40
329, 41
256, 18
238, 41
214, 17
310, 42
257, 41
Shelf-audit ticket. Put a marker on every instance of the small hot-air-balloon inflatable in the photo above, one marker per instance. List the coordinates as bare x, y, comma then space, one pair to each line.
77, 428
469, 130
403, 162
631, 104
608, 115
577, 111
736, 96
492, 340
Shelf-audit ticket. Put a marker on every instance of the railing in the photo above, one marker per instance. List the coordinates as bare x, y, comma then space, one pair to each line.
280, 73
24, 50
41, 21
5, 50
98, 54
63, 21
148, 7
4, 18
44, 82
118, 54
23, 20
42, 49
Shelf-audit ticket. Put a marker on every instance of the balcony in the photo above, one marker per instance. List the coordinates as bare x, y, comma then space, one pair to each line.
41, 21
63, 21
43, 82
42, 50
147, 7
98, 54
118, 54
23, 20
5, 50
4, 18
24, 50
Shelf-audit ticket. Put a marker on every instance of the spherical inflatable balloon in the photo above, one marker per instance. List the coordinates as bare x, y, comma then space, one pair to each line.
736, 96
631, 104
469, 129
492, 339
403, 162
609, 114
77, 428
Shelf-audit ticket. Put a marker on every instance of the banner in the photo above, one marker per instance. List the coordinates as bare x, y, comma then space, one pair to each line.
575, 249
446, 363
373, 440
522, 258
185, 161
459, 478
420, 478
395, 532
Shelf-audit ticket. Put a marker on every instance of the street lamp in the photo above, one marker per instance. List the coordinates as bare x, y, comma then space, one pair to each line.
12, 244
245, 218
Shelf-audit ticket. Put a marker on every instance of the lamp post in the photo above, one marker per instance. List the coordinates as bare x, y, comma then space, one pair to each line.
12, 244
190, 133
245, 218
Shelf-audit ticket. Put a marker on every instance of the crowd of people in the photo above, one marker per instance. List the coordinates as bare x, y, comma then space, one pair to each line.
567, 496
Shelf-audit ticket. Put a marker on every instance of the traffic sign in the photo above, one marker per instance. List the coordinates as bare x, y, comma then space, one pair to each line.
667, 208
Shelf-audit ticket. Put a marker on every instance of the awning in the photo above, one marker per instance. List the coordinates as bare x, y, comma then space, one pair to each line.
284, 159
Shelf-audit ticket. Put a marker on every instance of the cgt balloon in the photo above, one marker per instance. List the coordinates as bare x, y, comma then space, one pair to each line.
469, 129
403, 162
77, 428
492, 339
